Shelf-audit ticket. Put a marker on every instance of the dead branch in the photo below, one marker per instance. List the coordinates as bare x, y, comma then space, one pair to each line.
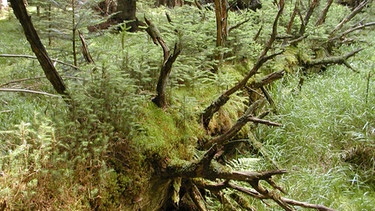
34, 57
291, 20
349, 17
22, 80
247, 117
313, 5
168, 61
197, 197
40, 52
238, 25
236, 127
267, 79
155, 35
306, 205
262, 121
27, 91
323, 14
215, 187
360, 26
333, 60
85, 49
37, 78
207, 114
160, 99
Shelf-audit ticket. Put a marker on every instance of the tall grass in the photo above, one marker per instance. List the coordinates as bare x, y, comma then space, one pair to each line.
331, 115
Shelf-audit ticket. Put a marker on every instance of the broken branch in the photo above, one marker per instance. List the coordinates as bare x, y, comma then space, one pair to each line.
27, 91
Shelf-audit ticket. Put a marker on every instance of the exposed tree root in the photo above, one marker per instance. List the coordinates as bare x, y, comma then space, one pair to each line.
202, 173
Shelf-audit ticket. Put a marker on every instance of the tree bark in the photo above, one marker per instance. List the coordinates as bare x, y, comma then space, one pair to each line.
126, 12
169, 3
221, 27
52, 75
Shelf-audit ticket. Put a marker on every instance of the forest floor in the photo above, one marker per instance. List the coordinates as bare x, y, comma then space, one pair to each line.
326, 141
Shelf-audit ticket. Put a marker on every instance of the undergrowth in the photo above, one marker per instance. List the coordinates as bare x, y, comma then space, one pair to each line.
99, 152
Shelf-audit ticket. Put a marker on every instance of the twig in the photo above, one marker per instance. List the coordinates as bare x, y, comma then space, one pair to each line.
349, 17
36, 78
262, 121
238, 25
22, 80
34, 57
306, 205
27, 91
85, 49
323, 14
361, 26
334, 60
313, 5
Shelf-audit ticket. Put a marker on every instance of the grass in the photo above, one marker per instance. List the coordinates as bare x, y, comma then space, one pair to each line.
327, 117
324, 122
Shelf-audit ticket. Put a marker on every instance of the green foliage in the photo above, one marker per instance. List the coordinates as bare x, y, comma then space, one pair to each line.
98, 153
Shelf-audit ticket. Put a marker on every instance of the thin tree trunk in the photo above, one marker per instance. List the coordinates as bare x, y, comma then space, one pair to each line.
221, 27
52, 75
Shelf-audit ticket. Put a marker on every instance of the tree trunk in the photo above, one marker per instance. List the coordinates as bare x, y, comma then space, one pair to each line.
169, 3
221, 27
126, 12
52, 75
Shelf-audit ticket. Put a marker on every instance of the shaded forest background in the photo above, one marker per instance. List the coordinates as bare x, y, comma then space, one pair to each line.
188, 106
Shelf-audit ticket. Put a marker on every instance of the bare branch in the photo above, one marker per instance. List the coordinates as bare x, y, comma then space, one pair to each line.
197, 197
313, 5
34, 57
238, 25
262, 121
360, 26
236, 127
27, 91
323, 14
22, 80
267, 79
333, 59
349, 17
85, 49
306, 205
165, 71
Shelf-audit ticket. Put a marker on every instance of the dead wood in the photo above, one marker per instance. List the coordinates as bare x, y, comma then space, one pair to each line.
52, 75
358, 27
207, 114
85, 50
235, 128
323, 14
333, 60
34, 57
267, 79
166, 68
217, 187
27, 91
306, 19
160, 99
349, 17
197, 197
293, 16
238, 25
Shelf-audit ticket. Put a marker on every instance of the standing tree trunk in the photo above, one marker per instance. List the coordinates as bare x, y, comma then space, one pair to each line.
52, 75
221, 27
126, 12
169, 3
